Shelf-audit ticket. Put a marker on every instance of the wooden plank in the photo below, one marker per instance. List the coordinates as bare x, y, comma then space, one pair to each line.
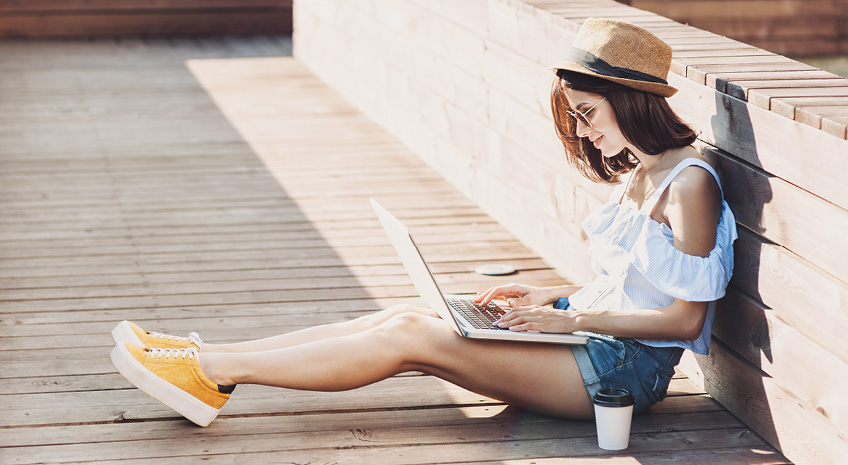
814, 115
259, 21
680, 396
701, 73
719, 81
725, 457
130, 404
379, 446
710, 46
763, 139
31, 247
269, 297
263, 271
767, 408
836, 125
244, 426
124, 403
789, 357
365, 456
273, 241
739, 51
788, 106
781, 212
239, 286
183, 320
680, 66
723, 10
802, 295
762, 97
741, 89
151, 234
54, 6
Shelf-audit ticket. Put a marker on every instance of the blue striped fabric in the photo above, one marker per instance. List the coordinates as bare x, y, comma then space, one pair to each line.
638, 267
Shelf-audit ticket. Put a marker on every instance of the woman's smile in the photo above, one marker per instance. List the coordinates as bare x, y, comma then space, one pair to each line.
597, 142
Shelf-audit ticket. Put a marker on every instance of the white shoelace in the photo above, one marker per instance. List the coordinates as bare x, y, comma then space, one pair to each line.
193, 337
189, 352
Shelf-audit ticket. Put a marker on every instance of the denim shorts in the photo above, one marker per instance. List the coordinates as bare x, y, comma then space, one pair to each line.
608, 361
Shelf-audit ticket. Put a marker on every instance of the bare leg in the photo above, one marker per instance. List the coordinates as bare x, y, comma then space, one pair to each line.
317, 333
540, 377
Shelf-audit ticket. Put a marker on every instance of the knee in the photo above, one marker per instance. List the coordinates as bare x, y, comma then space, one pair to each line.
384, 316
416, 339
374, 320
405, 322
396, 310
402, 309
408, 330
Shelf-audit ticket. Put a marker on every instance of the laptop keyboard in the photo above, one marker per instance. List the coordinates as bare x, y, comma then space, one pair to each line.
480, 316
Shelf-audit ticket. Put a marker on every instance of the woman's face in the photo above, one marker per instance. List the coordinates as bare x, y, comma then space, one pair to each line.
603, 132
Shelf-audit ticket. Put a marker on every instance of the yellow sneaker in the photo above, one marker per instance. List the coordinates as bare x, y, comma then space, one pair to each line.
127, 331
173, 377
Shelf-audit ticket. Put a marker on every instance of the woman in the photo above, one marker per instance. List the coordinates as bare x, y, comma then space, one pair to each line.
661, 248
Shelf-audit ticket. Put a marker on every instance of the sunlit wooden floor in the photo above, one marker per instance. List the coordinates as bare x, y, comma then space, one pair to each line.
215, 185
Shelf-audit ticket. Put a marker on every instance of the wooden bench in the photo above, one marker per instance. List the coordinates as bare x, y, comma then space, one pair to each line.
788, 27
87, 18
465, 86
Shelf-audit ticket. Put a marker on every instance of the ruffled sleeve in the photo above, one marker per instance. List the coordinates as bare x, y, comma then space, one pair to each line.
687, 277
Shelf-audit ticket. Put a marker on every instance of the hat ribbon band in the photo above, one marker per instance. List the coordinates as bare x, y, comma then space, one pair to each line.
593, 63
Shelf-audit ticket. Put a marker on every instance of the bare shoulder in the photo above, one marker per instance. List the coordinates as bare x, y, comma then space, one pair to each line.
693, 209
694, 184
694, 199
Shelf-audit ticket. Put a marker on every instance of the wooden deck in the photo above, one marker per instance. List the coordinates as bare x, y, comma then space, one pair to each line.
215, 185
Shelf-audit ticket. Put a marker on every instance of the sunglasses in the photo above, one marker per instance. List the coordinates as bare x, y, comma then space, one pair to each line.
583, 117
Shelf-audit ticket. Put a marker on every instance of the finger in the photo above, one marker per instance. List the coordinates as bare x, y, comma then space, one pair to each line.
505, 320
482, 295
515, 312
488, 296
509, 290
513, 320
526, 309
525, 327
523, 300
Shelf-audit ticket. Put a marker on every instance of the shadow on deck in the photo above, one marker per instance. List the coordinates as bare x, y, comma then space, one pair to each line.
215, 185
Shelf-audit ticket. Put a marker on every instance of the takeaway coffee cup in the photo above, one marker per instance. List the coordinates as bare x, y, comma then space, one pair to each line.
613, 412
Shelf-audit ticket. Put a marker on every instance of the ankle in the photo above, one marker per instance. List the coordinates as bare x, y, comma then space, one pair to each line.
217, 348
213, 367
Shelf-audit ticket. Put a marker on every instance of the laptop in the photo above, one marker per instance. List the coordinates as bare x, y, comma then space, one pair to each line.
467, 318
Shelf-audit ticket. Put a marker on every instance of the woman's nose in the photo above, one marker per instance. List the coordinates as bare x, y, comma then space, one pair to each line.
582, 130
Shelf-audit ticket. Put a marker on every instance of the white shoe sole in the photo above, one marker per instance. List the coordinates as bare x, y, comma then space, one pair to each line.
124, 333
182, 402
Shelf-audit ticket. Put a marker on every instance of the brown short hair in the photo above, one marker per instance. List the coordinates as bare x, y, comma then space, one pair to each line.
646, 121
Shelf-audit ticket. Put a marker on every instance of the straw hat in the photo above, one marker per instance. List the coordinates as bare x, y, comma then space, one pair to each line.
623, 53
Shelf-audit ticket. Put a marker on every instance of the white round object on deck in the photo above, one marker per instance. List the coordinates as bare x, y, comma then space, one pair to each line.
494, 269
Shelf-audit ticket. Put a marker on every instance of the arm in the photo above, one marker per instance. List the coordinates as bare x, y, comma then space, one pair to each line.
691, 206
521, 294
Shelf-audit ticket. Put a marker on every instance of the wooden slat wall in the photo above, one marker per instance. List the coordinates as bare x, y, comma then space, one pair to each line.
75, 18
788, 27
776, 128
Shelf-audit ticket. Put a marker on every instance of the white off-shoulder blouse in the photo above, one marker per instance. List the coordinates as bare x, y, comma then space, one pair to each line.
637, 266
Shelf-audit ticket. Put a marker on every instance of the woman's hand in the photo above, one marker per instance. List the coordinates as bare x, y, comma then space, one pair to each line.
536, 318
516, 295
